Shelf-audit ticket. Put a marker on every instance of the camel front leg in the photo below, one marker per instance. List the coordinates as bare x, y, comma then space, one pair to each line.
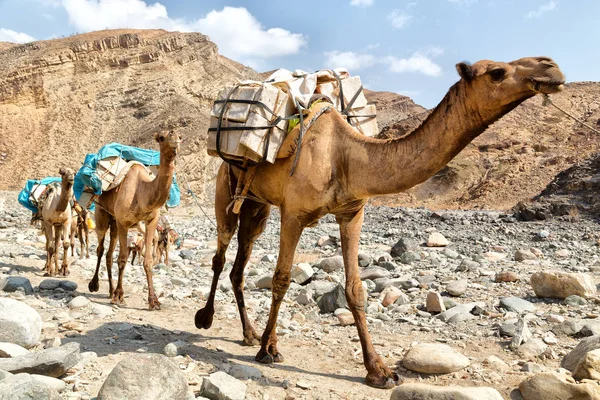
66, 234
57, 236
50, 249
291, 229
122, 231
151, 225
378, 374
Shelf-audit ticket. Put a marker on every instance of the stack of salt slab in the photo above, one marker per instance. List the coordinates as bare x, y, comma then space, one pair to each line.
250, 143
361, 114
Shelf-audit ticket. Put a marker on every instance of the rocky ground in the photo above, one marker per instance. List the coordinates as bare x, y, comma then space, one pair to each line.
451, 303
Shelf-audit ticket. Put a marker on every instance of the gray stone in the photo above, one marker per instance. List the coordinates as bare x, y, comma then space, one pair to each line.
516, 304
305, 296
410, 257
79, 302
574, 301
265, 281
50, 362
220, 386
187, 254
333, 300
522, 255
532, 348
19, 323
13, 283
270, 258
53, 383
374, 272
468, 265
245, 372
9, 350
457, 288
459, 309
569, 327
4, 374
422, 391
403, 245
522, 334
450, 253
508, 327
145, 376
436, 239
589, 366
331, 264
590, 327
533, 368
434, 358
571, 360
364, 260
24, 387
68, 286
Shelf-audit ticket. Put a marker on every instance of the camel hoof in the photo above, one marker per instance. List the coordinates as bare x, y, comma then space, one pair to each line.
278, 358
384, 382
251, 341
264, 358
153, 304
116, 300
94, 286
204, 318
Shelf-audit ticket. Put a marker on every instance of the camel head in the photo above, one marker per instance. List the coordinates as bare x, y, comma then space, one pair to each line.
498, 84
68, 176
168, 139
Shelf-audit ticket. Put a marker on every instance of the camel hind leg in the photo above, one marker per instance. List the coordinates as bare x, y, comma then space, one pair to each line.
68, 241
50, 249
253, 219
226, 226
102, 225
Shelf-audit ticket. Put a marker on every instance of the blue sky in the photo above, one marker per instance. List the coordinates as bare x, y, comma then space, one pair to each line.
409, 47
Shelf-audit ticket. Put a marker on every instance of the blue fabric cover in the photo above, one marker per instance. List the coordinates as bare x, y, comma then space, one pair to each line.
86, 176
24, 195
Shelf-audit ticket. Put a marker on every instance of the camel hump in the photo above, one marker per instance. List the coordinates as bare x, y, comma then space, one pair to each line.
320, 105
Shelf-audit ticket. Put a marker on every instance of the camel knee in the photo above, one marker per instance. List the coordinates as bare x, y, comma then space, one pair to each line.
354, 295
281, 283
237, 279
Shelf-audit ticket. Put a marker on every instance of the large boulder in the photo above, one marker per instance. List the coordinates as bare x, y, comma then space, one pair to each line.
19, 323
13, 283
552, 386
559, 284
589, 366
145, 376
25, 387
571, 360
421, 391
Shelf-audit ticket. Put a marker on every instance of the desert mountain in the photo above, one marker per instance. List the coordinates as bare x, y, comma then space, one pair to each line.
63, 98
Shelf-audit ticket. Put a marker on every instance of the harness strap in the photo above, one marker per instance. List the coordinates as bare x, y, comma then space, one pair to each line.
303, 130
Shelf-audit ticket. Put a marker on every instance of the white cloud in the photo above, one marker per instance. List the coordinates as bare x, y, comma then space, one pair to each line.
238, 34
362, 3
399, 19
8, 35
544, 8
348, 59
419, 62
235, 30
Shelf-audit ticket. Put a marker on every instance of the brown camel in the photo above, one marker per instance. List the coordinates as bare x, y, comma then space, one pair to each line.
135, 244
339, 170
137, 198
56, 221
79, 229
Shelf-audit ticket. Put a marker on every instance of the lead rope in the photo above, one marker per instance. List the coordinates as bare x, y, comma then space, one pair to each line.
194, 198
547, 101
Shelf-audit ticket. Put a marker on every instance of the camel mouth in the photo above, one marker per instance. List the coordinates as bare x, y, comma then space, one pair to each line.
546, 86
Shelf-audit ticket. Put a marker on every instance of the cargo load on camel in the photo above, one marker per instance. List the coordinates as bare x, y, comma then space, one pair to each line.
31, 196
106, 169
249, 121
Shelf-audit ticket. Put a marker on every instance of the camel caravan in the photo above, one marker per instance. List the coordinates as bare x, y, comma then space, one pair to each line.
300, 142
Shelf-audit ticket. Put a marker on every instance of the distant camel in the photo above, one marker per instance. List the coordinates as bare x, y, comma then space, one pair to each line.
138, 198
56, 221
338, 170
80, 229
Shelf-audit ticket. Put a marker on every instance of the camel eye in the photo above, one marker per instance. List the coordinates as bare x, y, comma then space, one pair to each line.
497, 74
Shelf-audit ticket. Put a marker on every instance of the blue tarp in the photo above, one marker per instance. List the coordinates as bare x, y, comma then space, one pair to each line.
86, 176
25, 194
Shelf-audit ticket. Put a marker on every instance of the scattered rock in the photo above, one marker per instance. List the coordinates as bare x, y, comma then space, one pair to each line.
404, 245
333, 300
521, 335
516, 304
19, 323
390, 295
532, 348
522, 255
434, 358
459, 309
220, 386
374, 272
24, 387
265, 281
558, 284
50, 362
436, 239
145, 376
575, 301
245, 372
301, 273
506, 276
552, 386
421, 391
457, 288
79, 302
589, 366
571, 360
344, 316
435, 303
11, 284
9, 350
331, 264
52, 284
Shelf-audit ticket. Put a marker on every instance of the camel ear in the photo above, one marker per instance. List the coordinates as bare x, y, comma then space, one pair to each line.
157, 137
62, 171
465, 71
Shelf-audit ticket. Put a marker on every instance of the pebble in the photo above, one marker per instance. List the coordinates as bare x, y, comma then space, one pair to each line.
435, 303
457, 288
436, 239
79, 302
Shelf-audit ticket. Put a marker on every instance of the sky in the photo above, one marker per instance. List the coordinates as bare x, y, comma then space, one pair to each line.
408, 47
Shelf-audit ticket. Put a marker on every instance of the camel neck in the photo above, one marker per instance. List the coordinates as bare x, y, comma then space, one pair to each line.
160, 187
66, 193
395, 165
